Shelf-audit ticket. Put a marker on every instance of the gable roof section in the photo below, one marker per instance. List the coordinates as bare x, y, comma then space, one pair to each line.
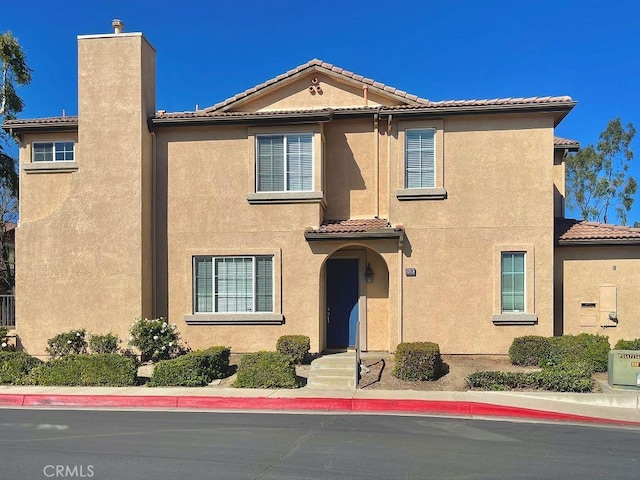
324, 67
582, 232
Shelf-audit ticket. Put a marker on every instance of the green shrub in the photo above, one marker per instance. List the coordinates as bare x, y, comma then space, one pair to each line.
85, 370
67, 343
531, 350
4, 341
417, 361
108, 343
266, 370
566, 378
156, 339
296, 346
195, 369
628, 344
586, 349
15, 365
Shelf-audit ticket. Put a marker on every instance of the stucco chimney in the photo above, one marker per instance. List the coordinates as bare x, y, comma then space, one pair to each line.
118, 25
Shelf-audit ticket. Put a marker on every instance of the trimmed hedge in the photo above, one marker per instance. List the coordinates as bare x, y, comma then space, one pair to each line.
531, 350
417, 361
16, 365
266, 370
585, 348
195, 369
565, 378
85, 370
628, 344
297, 346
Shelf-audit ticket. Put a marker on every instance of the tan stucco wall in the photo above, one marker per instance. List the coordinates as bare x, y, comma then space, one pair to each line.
559, 181
498, 178
84, 261
584, 270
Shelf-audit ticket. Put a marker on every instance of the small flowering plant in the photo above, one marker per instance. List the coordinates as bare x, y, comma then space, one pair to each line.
156, 339
4, 340
67, 343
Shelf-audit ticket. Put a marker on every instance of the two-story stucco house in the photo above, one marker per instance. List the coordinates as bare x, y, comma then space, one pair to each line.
304, 205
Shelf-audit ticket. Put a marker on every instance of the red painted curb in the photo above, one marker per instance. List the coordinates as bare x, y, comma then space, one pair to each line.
347, 405
43, 400
267, 403
8, 399
410, 406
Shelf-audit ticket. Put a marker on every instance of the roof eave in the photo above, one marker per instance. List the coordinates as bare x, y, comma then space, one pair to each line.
20, 128
370, 235
598, 242
275, 118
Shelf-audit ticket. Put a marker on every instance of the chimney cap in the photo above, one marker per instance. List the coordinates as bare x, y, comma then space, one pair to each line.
118, 25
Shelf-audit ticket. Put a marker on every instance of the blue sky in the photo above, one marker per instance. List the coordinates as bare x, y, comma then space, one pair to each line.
210, 50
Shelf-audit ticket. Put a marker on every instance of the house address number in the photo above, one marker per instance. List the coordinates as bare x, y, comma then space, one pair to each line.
410, 272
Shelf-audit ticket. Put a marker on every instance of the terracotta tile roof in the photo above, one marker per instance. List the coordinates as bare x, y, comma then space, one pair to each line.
323, 65
42, 121
570, 231
366, 225
566, 143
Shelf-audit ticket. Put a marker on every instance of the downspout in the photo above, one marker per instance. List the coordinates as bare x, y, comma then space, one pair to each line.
376, 173
365, 94
18, 138
389, 118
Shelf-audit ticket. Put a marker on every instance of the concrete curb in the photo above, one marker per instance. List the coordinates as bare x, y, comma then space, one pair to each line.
351, 404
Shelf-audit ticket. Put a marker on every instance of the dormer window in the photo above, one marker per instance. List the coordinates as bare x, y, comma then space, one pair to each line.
53, 152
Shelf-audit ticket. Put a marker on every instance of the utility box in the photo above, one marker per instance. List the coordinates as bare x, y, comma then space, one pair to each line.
624, 368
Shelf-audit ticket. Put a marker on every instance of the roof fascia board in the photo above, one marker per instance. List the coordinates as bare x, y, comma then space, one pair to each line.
311, 117
41, 127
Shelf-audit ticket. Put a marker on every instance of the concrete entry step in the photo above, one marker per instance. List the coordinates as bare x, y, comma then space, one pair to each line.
333, 371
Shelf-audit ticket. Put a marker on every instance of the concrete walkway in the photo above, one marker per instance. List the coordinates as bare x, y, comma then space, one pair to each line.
613, 407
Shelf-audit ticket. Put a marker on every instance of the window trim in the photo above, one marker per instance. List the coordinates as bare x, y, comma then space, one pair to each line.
438, 191
528, 316
234, 319
213, 258
284, 135
315, 195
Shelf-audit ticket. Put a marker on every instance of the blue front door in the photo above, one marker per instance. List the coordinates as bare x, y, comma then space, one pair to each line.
342, 302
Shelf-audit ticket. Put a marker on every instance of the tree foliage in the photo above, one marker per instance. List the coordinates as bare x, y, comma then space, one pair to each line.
14, 72
598, 179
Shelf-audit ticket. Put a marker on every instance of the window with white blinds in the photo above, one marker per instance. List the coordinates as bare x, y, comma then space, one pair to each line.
513, 282
233, 284
285, 163
420, 147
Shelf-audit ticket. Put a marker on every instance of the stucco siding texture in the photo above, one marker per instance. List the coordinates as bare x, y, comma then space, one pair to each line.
584, 271
82, 264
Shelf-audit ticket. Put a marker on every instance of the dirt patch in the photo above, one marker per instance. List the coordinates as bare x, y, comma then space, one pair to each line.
457, 368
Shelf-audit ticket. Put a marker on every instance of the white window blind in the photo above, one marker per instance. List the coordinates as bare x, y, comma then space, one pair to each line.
233, 284
285, 163
513, 282
420, 158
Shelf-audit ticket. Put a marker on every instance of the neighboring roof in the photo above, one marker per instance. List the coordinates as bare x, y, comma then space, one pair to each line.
582, 232
316, 64
42, 124
356, 228
566, 143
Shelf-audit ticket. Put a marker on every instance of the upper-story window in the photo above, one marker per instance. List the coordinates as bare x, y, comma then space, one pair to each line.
420, 148
284, 163
53, 152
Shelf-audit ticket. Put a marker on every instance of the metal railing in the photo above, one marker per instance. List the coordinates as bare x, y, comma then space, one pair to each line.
7, 310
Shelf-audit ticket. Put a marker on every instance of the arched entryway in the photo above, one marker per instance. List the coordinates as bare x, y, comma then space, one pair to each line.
355, 290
